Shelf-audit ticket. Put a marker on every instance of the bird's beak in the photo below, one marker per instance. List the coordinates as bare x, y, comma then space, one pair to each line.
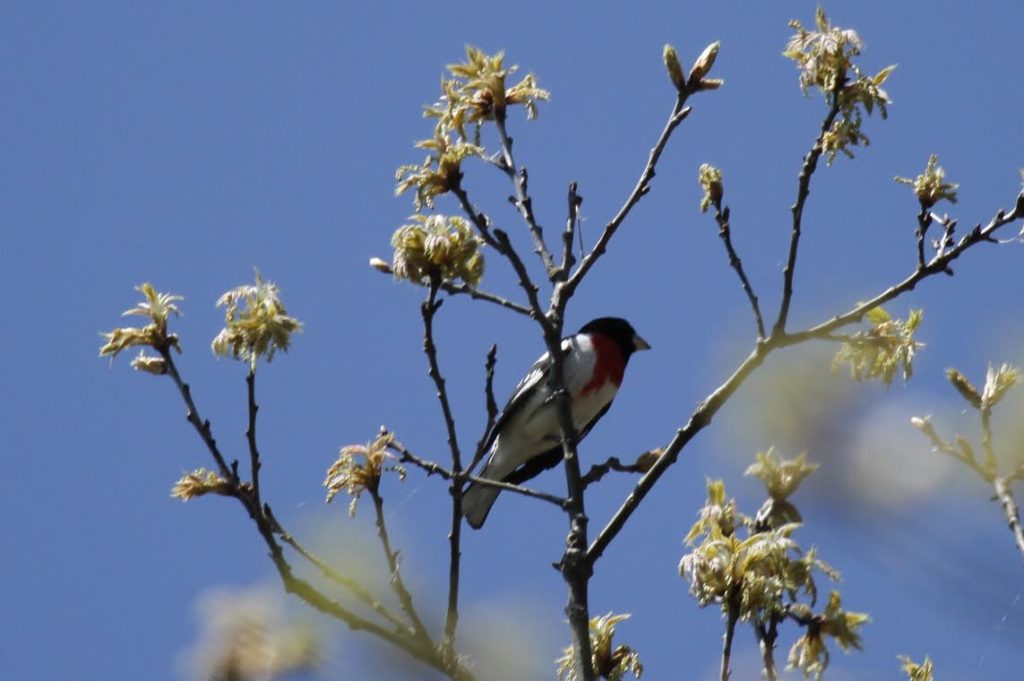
640, 344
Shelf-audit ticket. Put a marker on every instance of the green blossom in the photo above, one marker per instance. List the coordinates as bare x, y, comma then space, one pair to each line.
710, 179
882, 351
825, 60
441, 170
359, 468
609, 663
437, 246
917, 672
256, 323
930, 187
158, 307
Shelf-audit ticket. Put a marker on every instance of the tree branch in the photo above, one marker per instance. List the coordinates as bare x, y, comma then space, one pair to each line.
571, 225
732, 616
803, 191
1010, 510
465, 289
643, 185
250, 435
722, 218
702, 416
429, 309
522, 201
395, 579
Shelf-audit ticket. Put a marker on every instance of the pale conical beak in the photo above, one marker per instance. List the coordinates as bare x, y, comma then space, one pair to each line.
640, 344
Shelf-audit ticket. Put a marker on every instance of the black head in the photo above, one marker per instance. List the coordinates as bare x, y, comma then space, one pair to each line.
620, 331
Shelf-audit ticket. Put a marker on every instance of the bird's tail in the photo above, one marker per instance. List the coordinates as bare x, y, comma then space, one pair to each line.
477, 501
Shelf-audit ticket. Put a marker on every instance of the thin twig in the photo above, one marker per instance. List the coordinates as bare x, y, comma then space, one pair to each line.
433, 468
192, 414
803, 191
1010, 510
250, 436
924, 221
395, 579
499, 241
766, 636
643, 185
599, 470
429, 309
722, 218
571, 225
492, 407
423, 651
452, 288
731, 617
703, 414
522, 201
357, 589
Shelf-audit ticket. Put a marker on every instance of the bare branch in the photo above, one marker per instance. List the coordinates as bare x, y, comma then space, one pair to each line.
731, 617
940, 263
465, 289
395, 579
433, 468
492, 407
803, 191
357, 589
522, 201
571, 225
722, 218
250, 435
499, 241
643, 185
599, 470
702, 416
1010, 510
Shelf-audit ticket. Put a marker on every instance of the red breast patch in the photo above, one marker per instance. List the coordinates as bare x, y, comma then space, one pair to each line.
608, 366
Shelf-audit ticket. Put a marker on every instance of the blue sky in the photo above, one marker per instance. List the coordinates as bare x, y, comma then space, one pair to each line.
186, 143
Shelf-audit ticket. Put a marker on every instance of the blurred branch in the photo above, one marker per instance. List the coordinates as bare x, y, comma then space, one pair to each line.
357, 589
1010, 510
395, 579
267, 526
731, 617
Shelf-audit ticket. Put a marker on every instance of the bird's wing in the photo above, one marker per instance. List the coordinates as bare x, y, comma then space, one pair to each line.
550, 458
535, 377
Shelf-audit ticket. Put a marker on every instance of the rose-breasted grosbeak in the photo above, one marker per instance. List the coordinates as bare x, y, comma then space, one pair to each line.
526, 438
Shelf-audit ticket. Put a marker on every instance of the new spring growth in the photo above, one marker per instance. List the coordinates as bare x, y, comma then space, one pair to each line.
674, 67
477, 92
256, 323
825, 60
915, 671
809, 654
998, 381
612, 663
702, 67
359, 468
158, 307
710, 179
883, 350
437, 246
199, 482
930, 187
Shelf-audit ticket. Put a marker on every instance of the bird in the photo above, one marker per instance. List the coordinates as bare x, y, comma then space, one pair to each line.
526, 437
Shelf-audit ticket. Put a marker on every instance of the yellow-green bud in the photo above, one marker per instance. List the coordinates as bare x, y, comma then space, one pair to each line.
675, 68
